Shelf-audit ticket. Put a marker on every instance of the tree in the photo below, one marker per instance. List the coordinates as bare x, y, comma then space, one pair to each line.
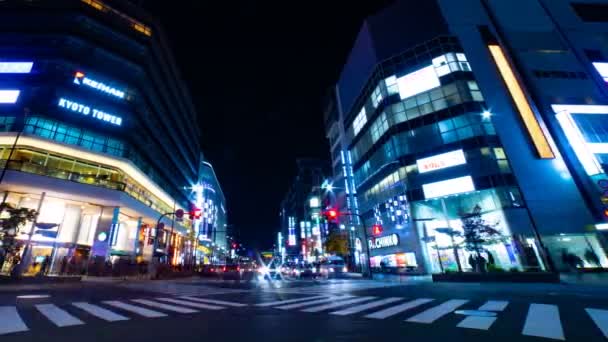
11, 226
337, 243
477, 232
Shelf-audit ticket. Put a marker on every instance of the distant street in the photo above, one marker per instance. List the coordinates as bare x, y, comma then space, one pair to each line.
329, 310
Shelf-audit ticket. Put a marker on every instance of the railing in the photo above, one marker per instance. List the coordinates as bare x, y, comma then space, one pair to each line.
102, 181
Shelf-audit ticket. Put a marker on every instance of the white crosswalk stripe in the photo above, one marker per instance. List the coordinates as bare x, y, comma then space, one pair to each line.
192, 304
494, 305
338, 304
135, 309
59, 317
213, 301
483, 323
100, 312
600, 318
289, 301
10, 321
543, 321
314, 302
434, 313
382, 314
367, 306
164, 306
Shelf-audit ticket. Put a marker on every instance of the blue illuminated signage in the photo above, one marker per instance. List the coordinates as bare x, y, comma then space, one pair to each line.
9, 96
87, 110
16, 67
81, 79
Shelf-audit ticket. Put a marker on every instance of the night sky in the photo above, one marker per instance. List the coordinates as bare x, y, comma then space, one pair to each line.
257, 71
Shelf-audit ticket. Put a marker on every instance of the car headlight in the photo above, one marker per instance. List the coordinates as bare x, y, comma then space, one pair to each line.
344, 269
263, 270
331, 270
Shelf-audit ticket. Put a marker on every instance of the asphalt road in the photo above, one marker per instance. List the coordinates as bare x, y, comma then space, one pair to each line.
340, 310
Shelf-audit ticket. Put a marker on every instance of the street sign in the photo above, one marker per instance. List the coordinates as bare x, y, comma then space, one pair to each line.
179, 214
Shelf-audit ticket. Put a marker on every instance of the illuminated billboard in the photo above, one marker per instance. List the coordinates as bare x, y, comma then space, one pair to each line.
16, 67
441, 161
417, 82
448, 187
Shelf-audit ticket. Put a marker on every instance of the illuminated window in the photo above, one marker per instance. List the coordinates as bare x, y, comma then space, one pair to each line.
391, 85
360, 121
521, 102
379, 127
136, 25
376, 97
16, 67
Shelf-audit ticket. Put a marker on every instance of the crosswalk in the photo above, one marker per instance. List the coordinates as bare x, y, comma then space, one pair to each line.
334, 287
541, 320
81, 313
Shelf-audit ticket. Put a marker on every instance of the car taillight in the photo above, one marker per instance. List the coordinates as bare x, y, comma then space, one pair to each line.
224, 269
212, 270
238, 268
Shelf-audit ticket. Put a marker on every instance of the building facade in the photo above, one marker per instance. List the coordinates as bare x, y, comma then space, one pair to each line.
450, 152
99, 133
212, 229
301, 233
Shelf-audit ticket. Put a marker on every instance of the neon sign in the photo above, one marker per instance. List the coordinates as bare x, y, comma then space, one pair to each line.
384, 241
86, 110
81, 79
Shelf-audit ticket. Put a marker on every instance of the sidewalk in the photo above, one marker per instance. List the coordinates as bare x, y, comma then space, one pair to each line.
592, 279
402, 278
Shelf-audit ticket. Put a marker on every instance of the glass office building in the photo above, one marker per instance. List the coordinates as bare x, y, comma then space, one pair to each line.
454, 177
98, 133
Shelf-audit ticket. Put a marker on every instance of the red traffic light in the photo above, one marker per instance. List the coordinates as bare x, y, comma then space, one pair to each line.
376, 229
332, 214
195, 213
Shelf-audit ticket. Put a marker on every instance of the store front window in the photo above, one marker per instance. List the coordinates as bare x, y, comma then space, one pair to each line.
470, 233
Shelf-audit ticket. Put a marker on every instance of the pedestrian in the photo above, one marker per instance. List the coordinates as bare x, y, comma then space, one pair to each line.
473, 262
44, 265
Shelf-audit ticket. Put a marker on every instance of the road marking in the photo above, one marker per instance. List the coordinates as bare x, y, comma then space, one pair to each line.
434, 313
288, 301
494, 305
194, 305
338, 304
543, 321
393, 310
363, 307
477, 322
483, 322
136, 309
314, 302
10, 321
58, 316
100, 312
213, 301
600, 318
164, 306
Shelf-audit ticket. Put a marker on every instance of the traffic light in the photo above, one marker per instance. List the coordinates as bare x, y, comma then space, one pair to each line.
331, 215
195, 213
376, 229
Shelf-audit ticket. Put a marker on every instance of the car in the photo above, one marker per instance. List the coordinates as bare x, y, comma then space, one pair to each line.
231, 272
304, 271
209, 270
333, 267
270, 271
